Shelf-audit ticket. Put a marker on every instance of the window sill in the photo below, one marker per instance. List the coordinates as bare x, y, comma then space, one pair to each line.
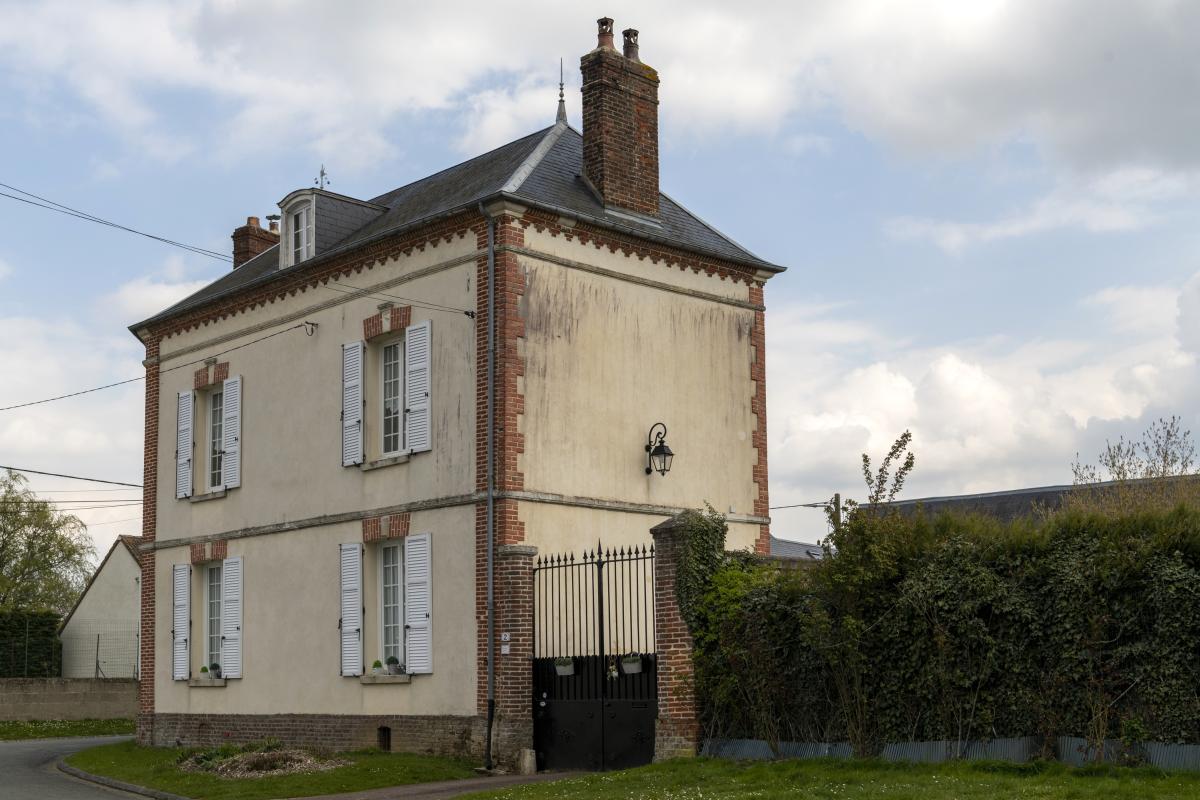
206, 683
201, 498
380, 463
368, 680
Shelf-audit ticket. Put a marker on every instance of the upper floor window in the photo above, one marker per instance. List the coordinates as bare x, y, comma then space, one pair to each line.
390, 381
302, 233
216, 443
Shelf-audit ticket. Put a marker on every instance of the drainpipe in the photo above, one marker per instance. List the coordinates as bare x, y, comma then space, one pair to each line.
491, 483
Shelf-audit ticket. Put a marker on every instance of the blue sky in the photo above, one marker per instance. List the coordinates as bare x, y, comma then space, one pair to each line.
988, 209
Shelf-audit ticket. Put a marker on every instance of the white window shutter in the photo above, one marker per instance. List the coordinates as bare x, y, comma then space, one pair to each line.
417, 353
418, 604
231, 617
231, 433
181, 620
352, 404
351, 623
184, 420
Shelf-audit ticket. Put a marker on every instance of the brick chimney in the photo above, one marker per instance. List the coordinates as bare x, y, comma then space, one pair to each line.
251, 240
620, 123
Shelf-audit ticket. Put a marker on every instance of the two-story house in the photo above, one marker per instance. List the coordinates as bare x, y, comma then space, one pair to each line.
342, 430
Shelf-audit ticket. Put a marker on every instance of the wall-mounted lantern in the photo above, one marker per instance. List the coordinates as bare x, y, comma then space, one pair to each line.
658, 454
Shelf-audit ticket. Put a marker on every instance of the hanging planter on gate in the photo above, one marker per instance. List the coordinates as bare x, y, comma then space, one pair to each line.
631, 664
564, 666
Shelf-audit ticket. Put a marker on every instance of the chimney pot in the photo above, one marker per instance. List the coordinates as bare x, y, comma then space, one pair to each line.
252, 222
604, 33
251, 240
275, 227
631, 44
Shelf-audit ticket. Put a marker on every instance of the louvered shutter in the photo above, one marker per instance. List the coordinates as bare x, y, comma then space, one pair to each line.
352, 404
231, 433
351, 622
181, 620
184, 420
231, 617
416, 387
418, 604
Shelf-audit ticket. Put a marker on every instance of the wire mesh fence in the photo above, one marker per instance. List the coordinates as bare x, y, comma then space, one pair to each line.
107, 652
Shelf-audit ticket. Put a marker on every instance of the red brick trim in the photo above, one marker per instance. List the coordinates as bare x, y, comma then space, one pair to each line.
401, 317
149, 527
372, 529
199, 553
510, 406
200, 378
396, 525
758, 405
302, 278
221, 372
218, 550
373, 326
677, 730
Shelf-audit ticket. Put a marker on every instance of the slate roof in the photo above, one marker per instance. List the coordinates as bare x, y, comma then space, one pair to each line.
542, 170
786, 548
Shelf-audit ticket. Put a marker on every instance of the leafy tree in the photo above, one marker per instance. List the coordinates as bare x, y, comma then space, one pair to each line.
1159, 470
45, 555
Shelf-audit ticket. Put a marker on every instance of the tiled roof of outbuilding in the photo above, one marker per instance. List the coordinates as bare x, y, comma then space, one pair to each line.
541, 170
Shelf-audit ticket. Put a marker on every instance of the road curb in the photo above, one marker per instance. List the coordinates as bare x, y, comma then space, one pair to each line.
112, 783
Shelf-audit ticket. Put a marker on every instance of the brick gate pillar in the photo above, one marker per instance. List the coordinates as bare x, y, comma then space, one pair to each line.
514, 652
677, 732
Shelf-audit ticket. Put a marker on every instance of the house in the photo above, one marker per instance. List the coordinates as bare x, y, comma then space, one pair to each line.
100, 634
372, 423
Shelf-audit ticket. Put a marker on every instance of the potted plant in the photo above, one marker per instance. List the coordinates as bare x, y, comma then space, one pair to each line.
214, 669
204, 673
394, 667
631, 664
564, 666
377, 667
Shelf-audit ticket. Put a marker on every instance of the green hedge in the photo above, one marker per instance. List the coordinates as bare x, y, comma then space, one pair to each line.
961, 628
29, 645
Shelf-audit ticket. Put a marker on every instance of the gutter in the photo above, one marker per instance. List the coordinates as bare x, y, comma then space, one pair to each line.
491, 483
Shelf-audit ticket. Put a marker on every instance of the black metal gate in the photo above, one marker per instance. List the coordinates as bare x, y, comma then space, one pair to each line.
595, 676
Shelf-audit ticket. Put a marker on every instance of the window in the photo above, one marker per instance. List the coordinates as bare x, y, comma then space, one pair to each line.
216, 406
302, 234
390, 611
213, 623
390, 373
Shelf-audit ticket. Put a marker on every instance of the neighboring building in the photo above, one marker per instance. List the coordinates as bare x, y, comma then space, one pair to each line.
787, 548
319, 422
100, 635
1005, 505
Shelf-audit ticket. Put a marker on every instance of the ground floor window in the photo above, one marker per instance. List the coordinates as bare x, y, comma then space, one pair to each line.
390, 597
213, 624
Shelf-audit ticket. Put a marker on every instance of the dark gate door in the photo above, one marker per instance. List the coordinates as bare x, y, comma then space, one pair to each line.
595, 678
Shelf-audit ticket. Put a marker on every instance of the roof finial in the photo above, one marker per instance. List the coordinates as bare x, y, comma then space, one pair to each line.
562, 103
322, 179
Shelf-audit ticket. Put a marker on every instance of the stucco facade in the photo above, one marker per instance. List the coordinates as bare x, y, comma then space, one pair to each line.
603, 325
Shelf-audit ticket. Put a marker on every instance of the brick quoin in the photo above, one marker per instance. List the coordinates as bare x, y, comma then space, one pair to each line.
372, 529
758, 405
677, 730
221, 372
198, 553
514, 616
510, 442
219, 550
145, 721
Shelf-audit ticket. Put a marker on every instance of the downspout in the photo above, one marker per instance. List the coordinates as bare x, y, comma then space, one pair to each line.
491, 483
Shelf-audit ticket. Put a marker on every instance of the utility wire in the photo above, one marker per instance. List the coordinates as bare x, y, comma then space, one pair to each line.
50, 205
776, 508
113, 522
72, 477
168, 369
418, 303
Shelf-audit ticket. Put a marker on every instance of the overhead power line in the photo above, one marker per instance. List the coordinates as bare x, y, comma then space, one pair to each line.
113, 522
50, 205
418, 303
168, 369
72, 477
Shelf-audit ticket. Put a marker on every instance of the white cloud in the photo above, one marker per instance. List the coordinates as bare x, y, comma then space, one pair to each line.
1120, 201
1099, 87
5, 269
985, 415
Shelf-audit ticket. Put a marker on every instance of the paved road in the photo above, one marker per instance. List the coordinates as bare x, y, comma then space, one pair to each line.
27, 770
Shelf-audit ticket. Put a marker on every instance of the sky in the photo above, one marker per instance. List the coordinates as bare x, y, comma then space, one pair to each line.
987, 209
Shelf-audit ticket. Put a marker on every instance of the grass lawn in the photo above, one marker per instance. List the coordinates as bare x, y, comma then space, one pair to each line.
155, 767
712, 779
61, 727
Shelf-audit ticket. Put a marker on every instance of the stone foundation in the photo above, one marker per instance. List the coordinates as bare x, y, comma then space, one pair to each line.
461, 737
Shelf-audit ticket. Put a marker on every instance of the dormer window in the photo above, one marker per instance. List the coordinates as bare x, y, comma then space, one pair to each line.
302, 233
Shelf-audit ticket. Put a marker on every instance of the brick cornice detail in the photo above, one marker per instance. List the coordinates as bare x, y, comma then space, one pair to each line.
758, 405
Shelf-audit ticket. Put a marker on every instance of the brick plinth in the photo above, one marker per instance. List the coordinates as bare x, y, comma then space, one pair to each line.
514, 679
677, 730
461, 737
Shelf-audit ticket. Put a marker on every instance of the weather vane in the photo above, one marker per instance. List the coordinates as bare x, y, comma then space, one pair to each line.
322, 179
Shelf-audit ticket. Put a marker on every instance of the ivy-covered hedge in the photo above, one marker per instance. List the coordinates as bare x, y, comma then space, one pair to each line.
960, 628
29, 645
